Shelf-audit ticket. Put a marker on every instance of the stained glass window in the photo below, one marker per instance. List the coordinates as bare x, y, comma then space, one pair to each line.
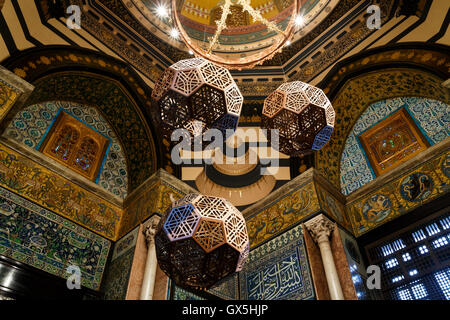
76, 145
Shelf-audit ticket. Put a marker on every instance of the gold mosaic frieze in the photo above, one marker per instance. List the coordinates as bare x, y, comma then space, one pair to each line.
153, 196
333, 207
53, 192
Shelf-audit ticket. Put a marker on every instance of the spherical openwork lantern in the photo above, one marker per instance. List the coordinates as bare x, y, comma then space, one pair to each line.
200, 240
197, 95
303, 115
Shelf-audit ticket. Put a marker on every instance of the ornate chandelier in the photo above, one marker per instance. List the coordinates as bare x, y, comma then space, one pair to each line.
197, 95
200, 240
206, 48
303, 115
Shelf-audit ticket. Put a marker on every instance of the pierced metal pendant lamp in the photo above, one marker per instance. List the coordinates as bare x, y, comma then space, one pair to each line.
197, 95
200, 240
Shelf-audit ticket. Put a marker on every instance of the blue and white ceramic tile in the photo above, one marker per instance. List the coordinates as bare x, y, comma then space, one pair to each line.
31, 125
127, 242
183, 294
432, 117
117, 275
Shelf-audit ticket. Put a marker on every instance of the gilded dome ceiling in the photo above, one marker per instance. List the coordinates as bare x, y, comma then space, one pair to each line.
244, 36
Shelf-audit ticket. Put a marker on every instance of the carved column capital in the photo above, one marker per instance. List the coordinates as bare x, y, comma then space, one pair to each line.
150, 229
320, 228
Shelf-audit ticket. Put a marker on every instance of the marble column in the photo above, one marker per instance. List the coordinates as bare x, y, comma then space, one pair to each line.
320, 228
148, 284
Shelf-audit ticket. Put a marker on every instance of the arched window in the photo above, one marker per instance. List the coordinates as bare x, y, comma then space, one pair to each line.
76, 145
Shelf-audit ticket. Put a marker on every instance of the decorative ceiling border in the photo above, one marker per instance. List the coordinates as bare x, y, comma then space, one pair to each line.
112, 9
325, 55
116, 13
434, 58
332, 24
323, 58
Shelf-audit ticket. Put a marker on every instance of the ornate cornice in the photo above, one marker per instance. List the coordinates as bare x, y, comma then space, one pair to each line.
342, 8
